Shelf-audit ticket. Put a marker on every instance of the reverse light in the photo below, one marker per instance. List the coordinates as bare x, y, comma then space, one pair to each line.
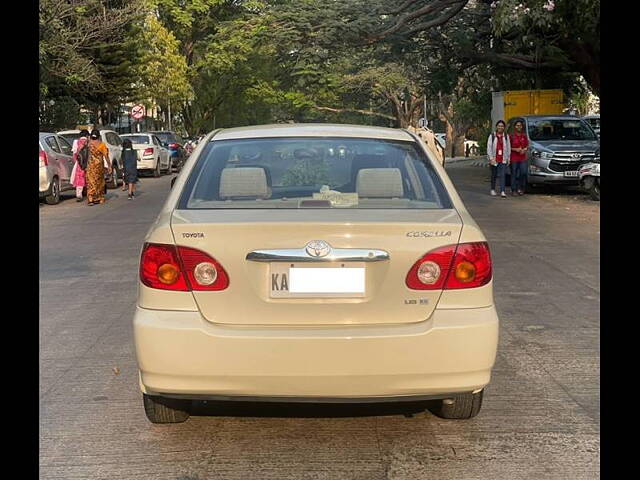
203, 272
466, 265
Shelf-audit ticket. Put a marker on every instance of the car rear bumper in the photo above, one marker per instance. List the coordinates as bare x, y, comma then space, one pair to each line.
44, 182
181, 354
146, 164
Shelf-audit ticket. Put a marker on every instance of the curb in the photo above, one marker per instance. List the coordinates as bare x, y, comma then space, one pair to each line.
480, 161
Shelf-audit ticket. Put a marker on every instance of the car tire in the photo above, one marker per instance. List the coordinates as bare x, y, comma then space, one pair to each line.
156, 171
165, 410
462, 406
53, 198
594, 191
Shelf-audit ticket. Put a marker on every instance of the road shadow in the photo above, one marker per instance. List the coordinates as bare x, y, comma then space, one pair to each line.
304, 410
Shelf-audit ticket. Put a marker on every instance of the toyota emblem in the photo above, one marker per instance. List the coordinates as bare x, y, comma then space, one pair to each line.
576, 155
318, 248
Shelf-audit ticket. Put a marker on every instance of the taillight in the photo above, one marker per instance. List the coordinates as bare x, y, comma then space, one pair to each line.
466, 265
148, 151
173, 145
185, 269
43, 158
160, 268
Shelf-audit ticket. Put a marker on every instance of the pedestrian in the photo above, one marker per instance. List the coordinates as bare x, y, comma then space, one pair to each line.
80, 157
498, 151
98, 162
518, 159
130, 162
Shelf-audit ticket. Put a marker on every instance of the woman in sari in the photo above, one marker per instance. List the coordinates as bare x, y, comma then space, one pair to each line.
78, 173
98, 159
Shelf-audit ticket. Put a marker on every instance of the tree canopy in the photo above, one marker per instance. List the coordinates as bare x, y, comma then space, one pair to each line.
239, 62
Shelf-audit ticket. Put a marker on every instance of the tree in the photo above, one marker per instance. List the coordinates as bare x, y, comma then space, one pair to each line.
163, 70
566, 32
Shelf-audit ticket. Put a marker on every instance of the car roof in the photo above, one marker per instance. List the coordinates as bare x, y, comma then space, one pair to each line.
46, 134
312, 130
135, 134
554, 117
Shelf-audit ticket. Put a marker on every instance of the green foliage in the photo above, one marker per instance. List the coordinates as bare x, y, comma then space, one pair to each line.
59, 114
163, 71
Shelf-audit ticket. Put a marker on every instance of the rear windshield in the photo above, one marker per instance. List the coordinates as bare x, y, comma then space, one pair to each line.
70, 136
557, 129
166, 137
139, 139
293, 173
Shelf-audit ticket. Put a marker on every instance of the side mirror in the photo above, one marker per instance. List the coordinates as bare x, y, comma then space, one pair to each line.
173, 180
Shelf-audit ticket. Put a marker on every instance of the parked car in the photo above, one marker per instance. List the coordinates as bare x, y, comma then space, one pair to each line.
175, 144
313, 263
152, 156
55, 162
558, 146
594, 122
442, 138
114, 143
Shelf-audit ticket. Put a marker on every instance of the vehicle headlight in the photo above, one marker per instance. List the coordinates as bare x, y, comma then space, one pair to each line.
539, 154
534, 169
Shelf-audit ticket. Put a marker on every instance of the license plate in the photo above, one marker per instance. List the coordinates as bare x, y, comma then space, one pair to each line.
288, 280
572, 173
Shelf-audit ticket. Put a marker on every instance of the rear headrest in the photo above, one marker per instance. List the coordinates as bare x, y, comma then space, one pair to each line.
379, 183
244, 182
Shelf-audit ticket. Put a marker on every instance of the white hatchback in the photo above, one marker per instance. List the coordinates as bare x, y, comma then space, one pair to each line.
314, 263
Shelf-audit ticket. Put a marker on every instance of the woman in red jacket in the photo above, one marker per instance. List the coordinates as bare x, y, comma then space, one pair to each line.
519, 145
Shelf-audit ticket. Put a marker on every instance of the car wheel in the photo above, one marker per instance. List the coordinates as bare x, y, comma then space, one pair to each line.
156, 172
54, 195
165, 410
466, 405
594, 191
115, 174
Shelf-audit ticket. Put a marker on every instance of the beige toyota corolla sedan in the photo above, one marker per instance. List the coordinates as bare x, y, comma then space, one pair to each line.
314, 263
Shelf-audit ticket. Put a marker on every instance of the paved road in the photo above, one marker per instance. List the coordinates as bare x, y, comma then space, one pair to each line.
540, 417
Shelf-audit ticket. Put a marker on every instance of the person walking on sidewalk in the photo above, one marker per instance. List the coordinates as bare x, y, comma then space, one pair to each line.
519, 145
498, 151
80, 156
130, 162
98, 161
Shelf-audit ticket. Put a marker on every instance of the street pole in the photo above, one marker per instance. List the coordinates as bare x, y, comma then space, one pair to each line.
169, 105
424, 112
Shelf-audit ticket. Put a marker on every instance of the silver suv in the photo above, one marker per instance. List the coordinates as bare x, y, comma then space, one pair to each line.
558, 146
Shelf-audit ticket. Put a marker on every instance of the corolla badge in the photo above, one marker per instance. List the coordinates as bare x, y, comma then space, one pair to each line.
318, 248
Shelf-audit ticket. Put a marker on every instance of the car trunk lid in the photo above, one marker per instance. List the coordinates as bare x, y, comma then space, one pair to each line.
258, 247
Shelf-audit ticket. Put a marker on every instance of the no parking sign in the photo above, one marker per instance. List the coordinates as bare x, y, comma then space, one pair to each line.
137, 112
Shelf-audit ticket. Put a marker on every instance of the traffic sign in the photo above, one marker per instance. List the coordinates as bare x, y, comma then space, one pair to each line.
137, 112
422, 123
